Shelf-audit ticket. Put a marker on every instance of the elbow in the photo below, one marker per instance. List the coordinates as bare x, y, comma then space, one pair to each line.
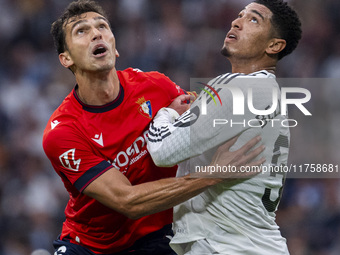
131, 210
133, 213
124, 201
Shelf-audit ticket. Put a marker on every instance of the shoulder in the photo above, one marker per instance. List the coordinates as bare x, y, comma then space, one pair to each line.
61, 124
222, 79
134, 77
131, 74
260, 78
258, 85
58, 134
137, 75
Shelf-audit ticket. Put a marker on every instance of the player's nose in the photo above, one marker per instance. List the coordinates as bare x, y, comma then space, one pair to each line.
96, 34
237, 23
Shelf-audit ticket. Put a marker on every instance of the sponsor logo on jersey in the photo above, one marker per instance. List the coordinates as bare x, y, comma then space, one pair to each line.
68, 160
132, 154
54, 124
99, 139
144, 107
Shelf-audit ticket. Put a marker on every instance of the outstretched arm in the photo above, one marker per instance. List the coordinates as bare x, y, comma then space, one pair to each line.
173, 138
115, 191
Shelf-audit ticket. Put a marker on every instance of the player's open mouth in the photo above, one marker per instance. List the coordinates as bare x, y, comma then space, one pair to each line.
99, 50
231, 36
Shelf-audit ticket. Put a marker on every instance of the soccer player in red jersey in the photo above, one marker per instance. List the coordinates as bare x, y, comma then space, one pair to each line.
120, 202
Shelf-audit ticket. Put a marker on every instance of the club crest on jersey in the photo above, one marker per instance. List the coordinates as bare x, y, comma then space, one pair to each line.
144, 107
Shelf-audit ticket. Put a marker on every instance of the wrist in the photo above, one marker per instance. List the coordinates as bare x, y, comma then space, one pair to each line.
173, 114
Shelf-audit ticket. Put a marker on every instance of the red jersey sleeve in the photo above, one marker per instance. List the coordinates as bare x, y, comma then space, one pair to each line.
72, 157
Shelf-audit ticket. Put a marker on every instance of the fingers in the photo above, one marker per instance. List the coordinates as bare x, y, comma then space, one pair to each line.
187, 99
253, 154
247, 147
192, 99
242, 158
183, 98
180, 104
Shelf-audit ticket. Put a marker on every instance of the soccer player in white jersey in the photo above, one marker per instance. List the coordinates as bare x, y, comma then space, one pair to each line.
239, 218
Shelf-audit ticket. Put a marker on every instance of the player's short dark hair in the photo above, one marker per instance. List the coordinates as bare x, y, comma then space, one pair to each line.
285, 22
74, 9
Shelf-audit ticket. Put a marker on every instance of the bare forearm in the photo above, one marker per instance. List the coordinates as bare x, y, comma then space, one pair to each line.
163, 194
149, 198
115, 191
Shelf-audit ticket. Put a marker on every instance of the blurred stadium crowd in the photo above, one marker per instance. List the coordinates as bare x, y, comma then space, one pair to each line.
181, 38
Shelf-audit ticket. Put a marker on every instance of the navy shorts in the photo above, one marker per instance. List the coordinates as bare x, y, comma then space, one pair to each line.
156, 243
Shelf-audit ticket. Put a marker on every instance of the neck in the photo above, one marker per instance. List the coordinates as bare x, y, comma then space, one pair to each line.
252, 69
247, 67
98, 88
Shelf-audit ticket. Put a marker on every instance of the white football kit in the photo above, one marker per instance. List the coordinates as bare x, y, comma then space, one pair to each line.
236, 218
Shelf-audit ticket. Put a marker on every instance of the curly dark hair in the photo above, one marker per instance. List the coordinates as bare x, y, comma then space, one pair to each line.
74, 9
285, 22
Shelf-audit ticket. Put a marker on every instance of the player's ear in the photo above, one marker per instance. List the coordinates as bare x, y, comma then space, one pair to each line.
275, 46
65, 59
117, 54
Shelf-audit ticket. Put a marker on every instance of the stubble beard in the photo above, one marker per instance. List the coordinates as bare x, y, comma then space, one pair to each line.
225, 52
104, 67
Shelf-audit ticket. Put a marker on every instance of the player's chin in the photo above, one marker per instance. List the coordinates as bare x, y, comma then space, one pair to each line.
225, 52
102, 67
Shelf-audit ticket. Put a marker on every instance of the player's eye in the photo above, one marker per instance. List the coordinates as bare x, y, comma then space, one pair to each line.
81, 30
254, 20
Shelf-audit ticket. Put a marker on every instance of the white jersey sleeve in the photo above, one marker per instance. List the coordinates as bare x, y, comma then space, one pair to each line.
168, 136
174, 140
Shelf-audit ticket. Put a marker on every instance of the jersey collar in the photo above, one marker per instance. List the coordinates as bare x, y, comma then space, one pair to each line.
102, 108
